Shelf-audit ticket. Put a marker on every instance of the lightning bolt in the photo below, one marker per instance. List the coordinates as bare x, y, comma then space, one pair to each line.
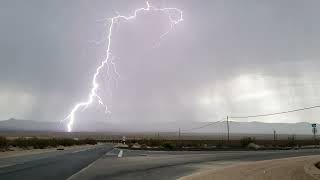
93, 95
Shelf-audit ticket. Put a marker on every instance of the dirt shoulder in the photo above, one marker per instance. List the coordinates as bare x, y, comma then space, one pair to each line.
284, 169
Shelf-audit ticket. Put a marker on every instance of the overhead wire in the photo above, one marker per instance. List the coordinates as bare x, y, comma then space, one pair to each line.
251, 116
206, 125
272, 114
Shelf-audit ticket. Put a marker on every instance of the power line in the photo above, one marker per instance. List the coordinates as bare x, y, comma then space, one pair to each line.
251, 116
209, 124
272, 114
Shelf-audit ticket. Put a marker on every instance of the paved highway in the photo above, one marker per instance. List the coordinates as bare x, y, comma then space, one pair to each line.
50, 166
102, 162
172, 165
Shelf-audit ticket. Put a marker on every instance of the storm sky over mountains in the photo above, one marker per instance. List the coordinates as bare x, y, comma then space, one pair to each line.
226, 58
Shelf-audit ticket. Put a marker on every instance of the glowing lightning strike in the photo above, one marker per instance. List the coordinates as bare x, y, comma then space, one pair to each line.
93, 93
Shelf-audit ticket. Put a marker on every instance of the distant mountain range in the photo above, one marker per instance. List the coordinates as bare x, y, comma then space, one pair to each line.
235, 127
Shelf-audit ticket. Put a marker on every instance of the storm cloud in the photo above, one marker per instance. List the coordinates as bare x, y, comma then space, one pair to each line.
226, 58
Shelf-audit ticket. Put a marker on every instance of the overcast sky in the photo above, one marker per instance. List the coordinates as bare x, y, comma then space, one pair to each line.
228, 57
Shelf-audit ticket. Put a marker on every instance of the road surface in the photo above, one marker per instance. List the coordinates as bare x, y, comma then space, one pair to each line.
173, 165
102, 162
51, 165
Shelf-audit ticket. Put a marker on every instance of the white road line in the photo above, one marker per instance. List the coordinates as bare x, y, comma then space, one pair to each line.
120, 154
83, 150
8, 165
74, 175
80, 150
111, 152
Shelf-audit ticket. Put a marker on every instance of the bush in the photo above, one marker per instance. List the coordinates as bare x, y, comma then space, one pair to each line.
144, 146
168, 146
37, 143
88, 141
292, 141
246, 141
20, 142
220, 144
3, 142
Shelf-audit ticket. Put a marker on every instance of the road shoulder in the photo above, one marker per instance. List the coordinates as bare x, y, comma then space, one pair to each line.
284, 169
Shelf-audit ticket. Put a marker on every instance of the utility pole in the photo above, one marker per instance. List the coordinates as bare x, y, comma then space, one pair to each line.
178, 144
228, 129
274, 136
314, 131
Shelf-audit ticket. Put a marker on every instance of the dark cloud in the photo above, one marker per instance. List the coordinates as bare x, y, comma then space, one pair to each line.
227, 57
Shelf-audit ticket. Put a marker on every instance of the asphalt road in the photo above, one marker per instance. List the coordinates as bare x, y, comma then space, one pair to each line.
104, 163
54, 165
172, 165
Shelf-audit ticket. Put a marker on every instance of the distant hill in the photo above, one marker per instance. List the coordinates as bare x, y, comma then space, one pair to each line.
266, 128
302, 128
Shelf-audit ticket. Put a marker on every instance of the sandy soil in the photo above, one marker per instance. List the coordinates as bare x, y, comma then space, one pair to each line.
284, 169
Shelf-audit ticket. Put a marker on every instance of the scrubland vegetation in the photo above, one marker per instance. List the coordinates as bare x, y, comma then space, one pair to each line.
244, 143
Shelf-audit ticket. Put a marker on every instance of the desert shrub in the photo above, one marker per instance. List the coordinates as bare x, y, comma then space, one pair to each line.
44, 143
246, 141
292, 141
144, 146
20, 142
68, 142
220, 144
88, 141
3, 142
168, 146
130, 145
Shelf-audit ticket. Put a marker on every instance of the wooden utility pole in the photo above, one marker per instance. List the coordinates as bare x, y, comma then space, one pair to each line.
314, 131
274, 137
178, 143
228, 129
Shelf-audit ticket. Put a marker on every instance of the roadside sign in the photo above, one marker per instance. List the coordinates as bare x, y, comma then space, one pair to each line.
314, 130
314, 125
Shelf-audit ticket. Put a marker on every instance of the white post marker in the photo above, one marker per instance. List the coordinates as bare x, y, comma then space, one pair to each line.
120, 154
